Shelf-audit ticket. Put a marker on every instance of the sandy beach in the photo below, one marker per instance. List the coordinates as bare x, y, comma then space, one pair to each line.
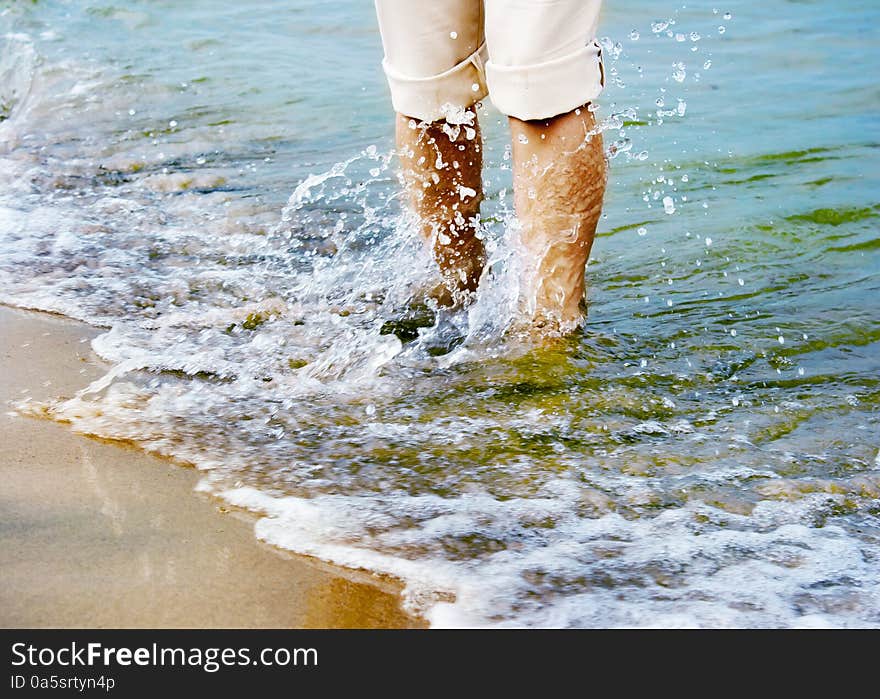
100, 535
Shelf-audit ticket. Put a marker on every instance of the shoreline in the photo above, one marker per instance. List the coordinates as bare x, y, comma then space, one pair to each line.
100, 534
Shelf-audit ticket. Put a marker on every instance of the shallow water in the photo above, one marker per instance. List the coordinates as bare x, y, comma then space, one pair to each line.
215, 186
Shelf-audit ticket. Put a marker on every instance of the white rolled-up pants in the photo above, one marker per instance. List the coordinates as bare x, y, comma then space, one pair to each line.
535, 59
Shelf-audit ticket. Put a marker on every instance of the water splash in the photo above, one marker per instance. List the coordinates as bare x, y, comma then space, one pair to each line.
661, 467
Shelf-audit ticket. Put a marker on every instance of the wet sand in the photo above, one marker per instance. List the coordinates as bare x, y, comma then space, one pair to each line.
96, 534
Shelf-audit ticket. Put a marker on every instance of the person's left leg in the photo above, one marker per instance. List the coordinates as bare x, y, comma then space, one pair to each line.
441, 166
434, 55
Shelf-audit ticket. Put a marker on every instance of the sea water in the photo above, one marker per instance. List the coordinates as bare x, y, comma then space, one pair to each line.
214, 185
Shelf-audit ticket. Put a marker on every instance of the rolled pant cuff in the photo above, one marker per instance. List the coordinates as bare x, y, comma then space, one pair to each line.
546, 90
431, 98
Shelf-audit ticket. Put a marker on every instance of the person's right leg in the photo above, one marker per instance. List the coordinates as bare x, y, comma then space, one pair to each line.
544, 68
559, 184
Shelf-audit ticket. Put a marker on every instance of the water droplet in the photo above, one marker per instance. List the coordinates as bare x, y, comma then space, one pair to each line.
466, 192
642, 231
695, 36
684, 178
741, 281
668, 205
634, 35
721, 30
642, 155
172, 124
733, 332
131, 112
475, 87
707, 65
522, 138
727, 15
453, 35
735, 402
613, 122
611, 48
658, 27
370, 409
678, 72
680, 37
800, 371
781, 340
622, 145
708, 242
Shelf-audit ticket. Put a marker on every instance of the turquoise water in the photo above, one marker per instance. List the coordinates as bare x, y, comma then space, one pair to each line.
216, 187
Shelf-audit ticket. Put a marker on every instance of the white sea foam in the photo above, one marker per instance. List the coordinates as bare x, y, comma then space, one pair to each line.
282, 343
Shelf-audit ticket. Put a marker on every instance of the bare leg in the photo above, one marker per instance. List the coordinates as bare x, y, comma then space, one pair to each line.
442, 171
559, 183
